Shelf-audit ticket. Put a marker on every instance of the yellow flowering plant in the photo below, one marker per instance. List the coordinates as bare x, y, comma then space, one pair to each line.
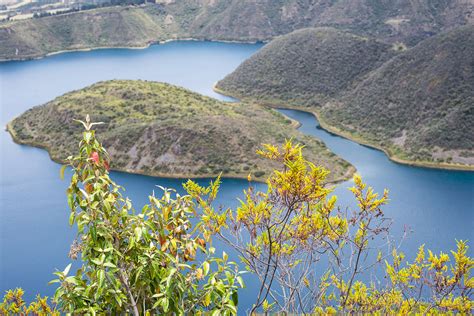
312, 257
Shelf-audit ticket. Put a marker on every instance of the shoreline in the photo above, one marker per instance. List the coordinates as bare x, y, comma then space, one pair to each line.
145, 46
347, 176
16, 140
331, 129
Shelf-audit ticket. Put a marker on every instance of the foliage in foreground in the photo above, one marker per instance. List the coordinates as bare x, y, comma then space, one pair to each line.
312, 257
150, 261
308, 255
13, 304
141, 262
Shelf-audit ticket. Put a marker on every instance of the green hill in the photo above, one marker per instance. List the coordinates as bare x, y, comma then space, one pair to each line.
242, 20
305, 67
163, 130
418, 106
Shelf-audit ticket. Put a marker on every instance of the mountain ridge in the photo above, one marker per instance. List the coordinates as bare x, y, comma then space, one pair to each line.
284, 68
236, 20
428, 84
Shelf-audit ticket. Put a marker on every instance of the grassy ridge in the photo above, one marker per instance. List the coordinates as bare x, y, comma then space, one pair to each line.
241, 20
417, 106
163, 130
306, 67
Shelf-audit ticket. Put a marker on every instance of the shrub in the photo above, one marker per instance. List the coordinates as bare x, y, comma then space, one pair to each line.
138, 262
311, 257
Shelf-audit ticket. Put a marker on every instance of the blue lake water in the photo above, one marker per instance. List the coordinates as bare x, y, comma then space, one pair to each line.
437, 205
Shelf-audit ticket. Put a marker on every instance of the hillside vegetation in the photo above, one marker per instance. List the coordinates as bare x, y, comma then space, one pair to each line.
306, 67
391, 20
242, 20
418, 106
106, 27
160, 129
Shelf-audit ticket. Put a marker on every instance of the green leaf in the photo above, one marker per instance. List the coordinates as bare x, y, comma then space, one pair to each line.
138, 233
235, 300
97, 262
66, 271
231, 306
87, 136
138, 273
101, 276
205, 267
240, 281
71, 279
61, 171
170, 276
70, 201
110, 265
165, 304
207, 299
71, 218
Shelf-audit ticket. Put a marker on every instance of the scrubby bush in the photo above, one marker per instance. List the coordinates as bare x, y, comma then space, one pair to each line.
311, 257
152, 260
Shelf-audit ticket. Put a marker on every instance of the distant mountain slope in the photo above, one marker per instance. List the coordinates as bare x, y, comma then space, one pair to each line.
306, 67
419, 105
393, 20
243, 20
107, 27
160, 129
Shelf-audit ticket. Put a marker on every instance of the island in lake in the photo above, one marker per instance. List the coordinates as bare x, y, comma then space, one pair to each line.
163, 130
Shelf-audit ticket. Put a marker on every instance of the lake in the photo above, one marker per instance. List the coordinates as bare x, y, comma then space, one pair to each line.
438, 205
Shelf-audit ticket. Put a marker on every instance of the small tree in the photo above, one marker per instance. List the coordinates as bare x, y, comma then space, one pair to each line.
310, 255
139, 262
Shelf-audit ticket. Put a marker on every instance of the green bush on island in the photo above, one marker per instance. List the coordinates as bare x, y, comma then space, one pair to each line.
158, 260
